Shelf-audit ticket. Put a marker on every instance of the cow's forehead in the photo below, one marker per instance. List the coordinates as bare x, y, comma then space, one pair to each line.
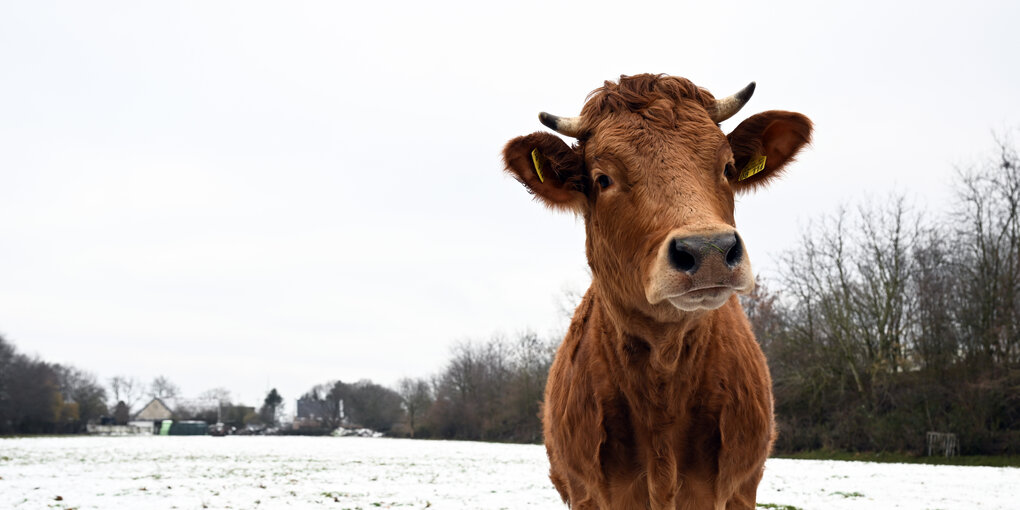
634, 137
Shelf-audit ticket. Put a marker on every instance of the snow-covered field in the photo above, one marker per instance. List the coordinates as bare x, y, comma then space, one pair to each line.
333, 472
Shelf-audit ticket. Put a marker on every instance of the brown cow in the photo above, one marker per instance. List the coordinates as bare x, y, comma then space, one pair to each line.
659, 396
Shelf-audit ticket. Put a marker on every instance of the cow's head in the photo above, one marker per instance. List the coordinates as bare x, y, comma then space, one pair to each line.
654, 177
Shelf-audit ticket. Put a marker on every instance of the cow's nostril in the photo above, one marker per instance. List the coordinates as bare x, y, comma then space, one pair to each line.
681, 257
687, 254
736, 252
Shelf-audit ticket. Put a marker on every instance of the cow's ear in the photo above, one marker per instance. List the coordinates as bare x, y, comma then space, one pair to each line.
763, 145
550, 170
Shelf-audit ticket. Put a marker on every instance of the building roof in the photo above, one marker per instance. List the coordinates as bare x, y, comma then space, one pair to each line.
154, 410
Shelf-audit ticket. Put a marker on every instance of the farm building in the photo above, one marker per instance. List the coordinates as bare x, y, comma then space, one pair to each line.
155, 410
311, 413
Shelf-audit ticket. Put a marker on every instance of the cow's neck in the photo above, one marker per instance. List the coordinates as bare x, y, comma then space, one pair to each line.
670, 346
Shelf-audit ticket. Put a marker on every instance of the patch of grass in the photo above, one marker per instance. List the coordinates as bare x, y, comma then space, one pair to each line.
853, 494
778, 507
335, 496
904, 458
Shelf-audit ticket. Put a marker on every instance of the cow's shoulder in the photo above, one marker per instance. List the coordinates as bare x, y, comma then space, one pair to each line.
581, 402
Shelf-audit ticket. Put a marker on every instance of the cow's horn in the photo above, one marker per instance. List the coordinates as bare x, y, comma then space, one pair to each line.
570, 126
729, 106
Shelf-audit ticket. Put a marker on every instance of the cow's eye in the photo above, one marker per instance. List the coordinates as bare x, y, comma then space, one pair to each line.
604, 181
730, 172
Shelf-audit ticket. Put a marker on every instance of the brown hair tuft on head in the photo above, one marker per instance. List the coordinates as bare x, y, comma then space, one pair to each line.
640, 93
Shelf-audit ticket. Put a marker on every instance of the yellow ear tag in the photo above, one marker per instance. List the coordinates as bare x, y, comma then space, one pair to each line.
535, 155
754, 166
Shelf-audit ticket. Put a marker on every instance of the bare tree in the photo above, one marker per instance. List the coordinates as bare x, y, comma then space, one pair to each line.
937, 338
988, 233
531, 358
219, 395
492, 390
126, 389
161, 387
416, 397
883, 265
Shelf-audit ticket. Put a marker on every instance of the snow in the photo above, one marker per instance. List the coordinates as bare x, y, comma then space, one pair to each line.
366, 473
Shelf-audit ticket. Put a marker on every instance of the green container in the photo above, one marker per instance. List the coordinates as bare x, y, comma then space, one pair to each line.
164, 428
188, 428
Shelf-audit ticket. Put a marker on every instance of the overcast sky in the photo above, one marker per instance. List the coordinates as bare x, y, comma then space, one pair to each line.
255, 195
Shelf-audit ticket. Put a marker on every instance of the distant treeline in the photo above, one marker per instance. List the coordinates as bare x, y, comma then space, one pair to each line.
37, 397
886, 323
490, 391
487, 391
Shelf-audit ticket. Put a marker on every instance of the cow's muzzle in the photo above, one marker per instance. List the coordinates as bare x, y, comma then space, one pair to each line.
687, 253
700, 271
